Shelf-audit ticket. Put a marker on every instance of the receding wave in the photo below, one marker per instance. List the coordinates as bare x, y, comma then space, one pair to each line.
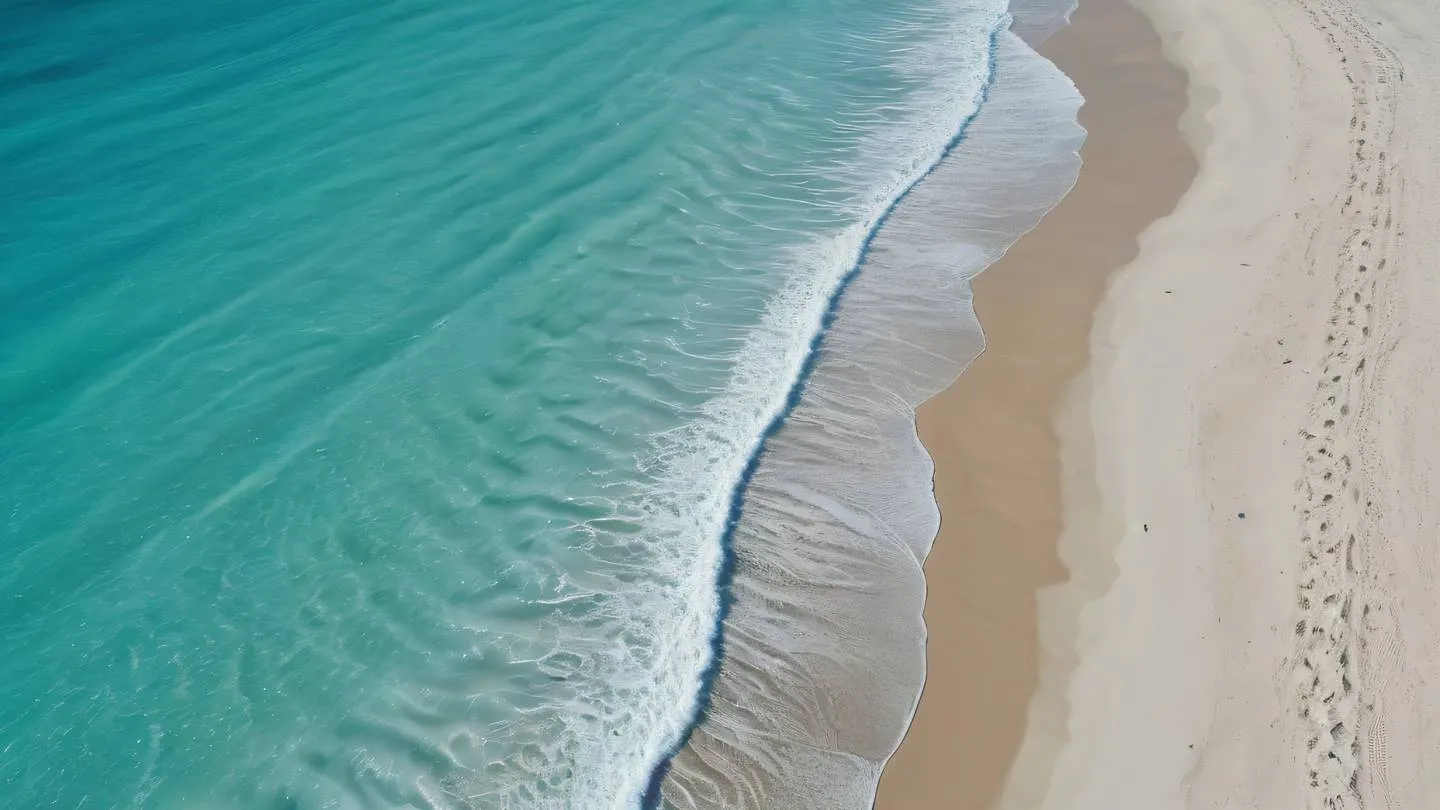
820, 660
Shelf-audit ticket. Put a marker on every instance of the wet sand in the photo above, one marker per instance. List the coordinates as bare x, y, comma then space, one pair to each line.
992, 434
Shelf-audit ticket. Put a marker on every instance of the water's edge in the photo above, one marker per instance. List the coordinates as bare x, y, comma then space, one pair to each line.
725, 576
769, 729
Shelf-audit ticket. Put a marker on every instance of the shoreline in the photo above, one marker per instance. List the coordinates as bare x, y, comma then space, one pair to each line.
652, 796
991, 435
707, 767
1246, 461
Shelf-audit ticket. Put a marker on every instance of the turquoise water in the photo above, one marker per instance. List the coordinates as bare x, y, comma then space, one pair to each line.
375, 379
383, 391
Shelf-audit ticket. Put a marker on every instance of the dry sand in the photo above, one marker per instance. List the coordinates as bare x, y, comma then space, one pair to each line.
1250, 517
997, 475
1264, 397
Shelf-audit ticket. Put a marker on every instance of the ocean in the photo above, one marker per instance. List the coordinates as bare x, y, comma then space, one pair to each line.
486, 404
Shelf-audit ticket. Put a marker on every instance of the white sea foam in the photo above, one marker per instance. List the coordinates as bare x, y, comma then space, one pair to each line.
708, 457
688, 508
823, 646
801, 720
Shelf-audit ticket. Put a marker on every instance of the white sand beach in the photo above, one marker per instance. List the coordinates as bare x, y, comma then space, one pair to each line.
1251, 519
997, 456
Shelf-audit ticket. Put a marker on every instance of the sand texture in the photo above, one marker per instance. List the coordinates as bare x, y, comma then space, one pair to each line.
1260, 425
997, 460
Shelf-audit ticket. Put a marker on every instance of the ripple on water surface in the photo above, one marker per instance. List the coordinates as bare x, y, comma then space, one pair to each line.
374, 379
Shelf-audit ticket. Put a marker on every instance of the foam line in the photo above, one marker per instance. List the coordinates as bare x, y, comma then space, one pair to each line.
650, 799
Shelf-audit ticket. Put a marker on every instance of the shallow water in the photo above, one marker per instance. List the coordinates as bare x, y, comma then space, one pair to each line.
375, 381
824, 655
